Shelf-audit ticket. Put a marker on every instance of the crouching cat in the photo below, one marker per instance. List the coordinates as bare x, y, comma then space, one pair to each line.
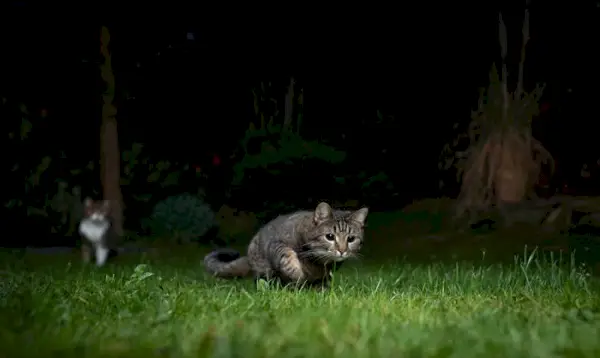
302, 247
99, 237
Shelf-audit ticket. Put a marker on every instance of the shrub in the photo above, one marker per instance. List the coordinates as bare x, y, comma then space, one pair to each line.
181, 217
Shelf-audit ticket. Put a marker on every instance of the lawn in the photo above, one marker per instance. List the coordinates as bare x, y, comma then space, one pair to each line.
149, 307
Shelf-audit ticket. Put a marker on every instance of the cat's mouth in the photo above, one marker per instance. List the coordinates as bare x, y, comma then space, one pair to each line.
339, 256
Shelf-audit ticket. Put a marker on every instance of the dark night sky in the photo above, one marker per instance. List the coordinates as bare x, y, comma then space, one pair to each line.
423, 64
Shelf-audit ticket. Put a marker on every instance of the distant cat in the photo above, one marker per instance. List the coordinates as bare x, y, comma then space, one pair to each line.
301, 247
97, 231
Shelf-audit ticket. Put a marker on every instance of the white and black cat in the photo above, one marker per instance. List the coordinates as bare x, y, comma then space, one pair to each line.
97, 232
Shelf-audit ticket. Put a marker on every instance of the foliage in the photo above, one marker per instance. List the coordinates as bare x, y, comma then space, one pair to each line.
373, 184
281, 148
376, 185
500, 161
139, 168
143, 176
182, 217
501, 144
48, 188
44, 186
275, 159
284, 173
368, 174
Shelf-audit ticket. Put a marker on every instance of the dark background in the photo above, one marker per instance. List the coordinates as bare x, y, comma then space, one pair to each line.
188, 99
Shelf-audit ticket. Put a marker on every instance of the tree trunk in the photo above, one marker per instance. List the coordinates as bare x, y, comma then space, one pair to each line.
110, 157
511, 177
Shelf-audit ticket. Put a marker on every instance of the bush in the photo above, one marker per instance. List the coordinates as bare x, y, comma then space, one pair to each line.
278, 171
182, 217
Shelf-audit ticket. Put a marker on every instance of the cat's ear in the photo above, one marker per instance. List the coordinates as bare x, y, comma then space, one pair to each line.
360, 216
88, 202
323, 213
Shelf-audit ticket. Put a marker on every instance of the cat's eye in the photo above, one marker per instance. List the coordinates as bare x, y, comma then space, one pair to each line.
330, 237
351, 239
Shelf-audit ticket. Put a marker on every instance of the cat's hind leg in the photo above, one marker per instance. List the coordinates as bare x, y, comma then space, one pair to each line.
86, 253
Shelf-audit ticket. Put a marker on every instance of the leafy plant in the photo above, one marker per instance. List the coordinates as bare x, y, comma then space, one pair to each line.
44, 191
182, 218
500, 160
142, 176
286, 148
274, 151
138, 167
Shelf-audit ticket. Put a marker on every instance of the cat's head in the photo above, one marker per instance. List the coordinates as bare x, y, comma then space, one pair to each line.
96, 210
335, 236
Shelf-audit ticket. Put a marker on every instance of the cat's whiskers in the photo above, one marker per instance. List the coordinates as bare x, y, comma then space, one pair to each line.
318, 255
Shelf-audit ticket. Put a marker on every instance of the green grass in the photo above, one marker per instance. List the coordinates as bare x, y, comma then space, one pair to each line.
55, 306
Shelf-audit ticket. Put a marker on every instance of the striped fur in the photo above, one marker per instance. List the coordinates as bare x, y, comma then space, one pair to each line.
301, 247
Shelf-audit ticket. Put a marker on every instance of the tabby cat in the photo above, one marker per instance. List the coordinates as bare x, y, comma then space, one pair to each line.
301, 248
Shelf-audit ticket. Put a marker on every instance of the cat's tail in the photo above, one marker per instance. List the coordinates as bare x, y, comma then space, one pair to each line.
227, 263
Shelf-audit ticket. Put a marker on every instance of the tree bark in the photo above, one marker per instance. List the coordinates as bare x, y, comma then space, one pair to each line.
110, 157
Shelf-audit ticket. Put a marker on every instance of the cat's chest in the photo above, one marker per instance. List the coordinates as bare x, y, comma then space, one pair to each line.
93, 231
